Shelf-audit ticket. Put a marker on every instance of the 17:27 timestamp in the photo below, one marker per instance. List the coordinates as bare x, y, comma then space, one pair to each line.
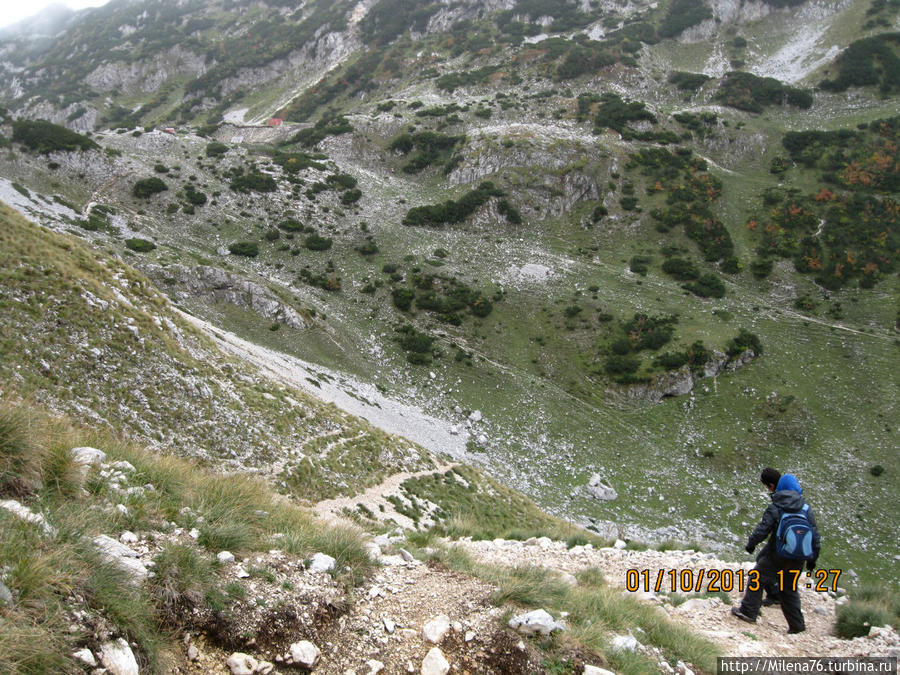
817, 580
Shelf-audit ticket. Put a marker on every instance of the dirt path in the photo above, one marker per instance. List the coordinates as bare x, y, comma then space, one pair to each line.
708, 616
375, 499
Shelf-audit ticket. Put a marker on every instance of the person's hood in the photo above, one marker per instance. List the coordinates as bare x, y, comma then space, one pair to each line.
789, 482
788, 500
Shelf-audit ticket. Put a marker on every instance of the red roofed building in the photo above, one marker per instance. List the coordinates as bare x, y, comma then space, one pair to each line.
275, 122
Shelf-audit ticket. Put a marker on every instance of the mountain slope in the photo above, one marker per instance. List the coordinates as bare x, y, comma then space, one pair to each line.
644, 225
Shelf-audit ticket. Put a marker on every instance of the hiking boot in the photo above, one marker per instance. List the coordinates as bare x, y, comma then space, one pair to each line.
768, 602
792, 631
736, 611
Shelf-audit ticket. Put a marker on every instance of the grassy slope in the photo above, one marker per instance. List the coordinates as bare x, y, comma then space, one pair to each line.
547, 441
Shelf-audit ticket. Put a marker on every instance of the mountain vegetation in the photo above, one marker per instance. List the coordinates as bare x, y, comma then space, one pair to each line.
651, 243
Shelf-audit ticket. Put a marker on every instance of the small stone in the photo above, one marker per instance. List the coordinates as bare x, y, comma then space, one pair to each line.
225, 557
118, 658
470, 635
87, 456
242, 664
375, 666
128, 537
619, 544
322, 563
435, 630
86, 657
240, 572
264, 668
193, 653
821, 610
475, 416
434, 663
622, 643
536, 621
406, 555
389, 625
305, 653
194, 533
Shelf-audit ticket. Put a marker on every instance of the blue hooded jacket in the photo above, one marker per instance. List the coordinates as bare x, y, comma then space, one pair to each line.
787, 497
789, 482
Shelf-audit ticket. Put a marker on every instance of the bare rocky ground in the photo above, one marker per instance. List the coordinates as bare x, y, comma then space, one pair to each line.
385, 628
709, 616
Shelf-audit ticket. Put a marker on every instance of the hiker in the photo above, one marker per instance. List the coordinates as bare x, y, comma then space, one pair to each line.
788, 511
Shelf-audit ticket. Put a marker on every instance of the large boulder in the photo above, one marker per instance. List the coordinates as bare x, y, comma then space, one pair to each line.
599, 489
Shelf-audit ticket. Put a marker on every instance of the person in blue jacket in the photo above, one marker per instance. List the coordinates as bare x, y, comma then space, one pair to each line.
786, 497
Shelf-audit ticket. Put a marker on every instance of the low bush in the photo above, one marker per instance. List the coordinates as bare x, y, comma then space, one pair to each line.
248, 249
316, 242
45, 137
147, 187
139, 245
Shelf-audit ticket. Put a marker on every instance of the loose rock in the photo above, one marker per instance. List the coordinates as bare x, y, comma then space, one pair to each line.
305, 653
435, 630
118, 658
434, 663
536, 621
242, 664
322, 563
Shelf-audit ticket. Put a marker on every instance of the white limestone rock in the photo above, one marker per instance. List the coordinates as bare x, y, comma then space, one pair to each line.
86, 456
435, 630
241, 664
434, 663
601, 490
322, 562
305, 653
24, 513
118, 659
536, 621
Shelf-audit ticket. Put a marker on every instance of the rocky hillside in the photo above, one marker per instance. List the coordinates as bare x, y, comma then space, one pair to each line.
643, 247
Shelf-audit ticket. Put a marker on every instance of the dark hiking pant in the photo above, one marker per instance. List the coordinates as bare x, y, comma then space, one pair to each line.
768, 566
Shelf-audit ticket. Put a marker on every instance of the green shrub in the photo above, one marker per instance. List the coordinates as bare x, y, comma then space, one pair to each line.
618, 364
139, 245
749, 92
342, 180
147, 187
742, 341
870, 61
253, 181
855, 618
245, 248
194, 196
316, 242
351, 196
403, 298
688, 81
45, 137
452, 211
216, 149
708, 285
681, 269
